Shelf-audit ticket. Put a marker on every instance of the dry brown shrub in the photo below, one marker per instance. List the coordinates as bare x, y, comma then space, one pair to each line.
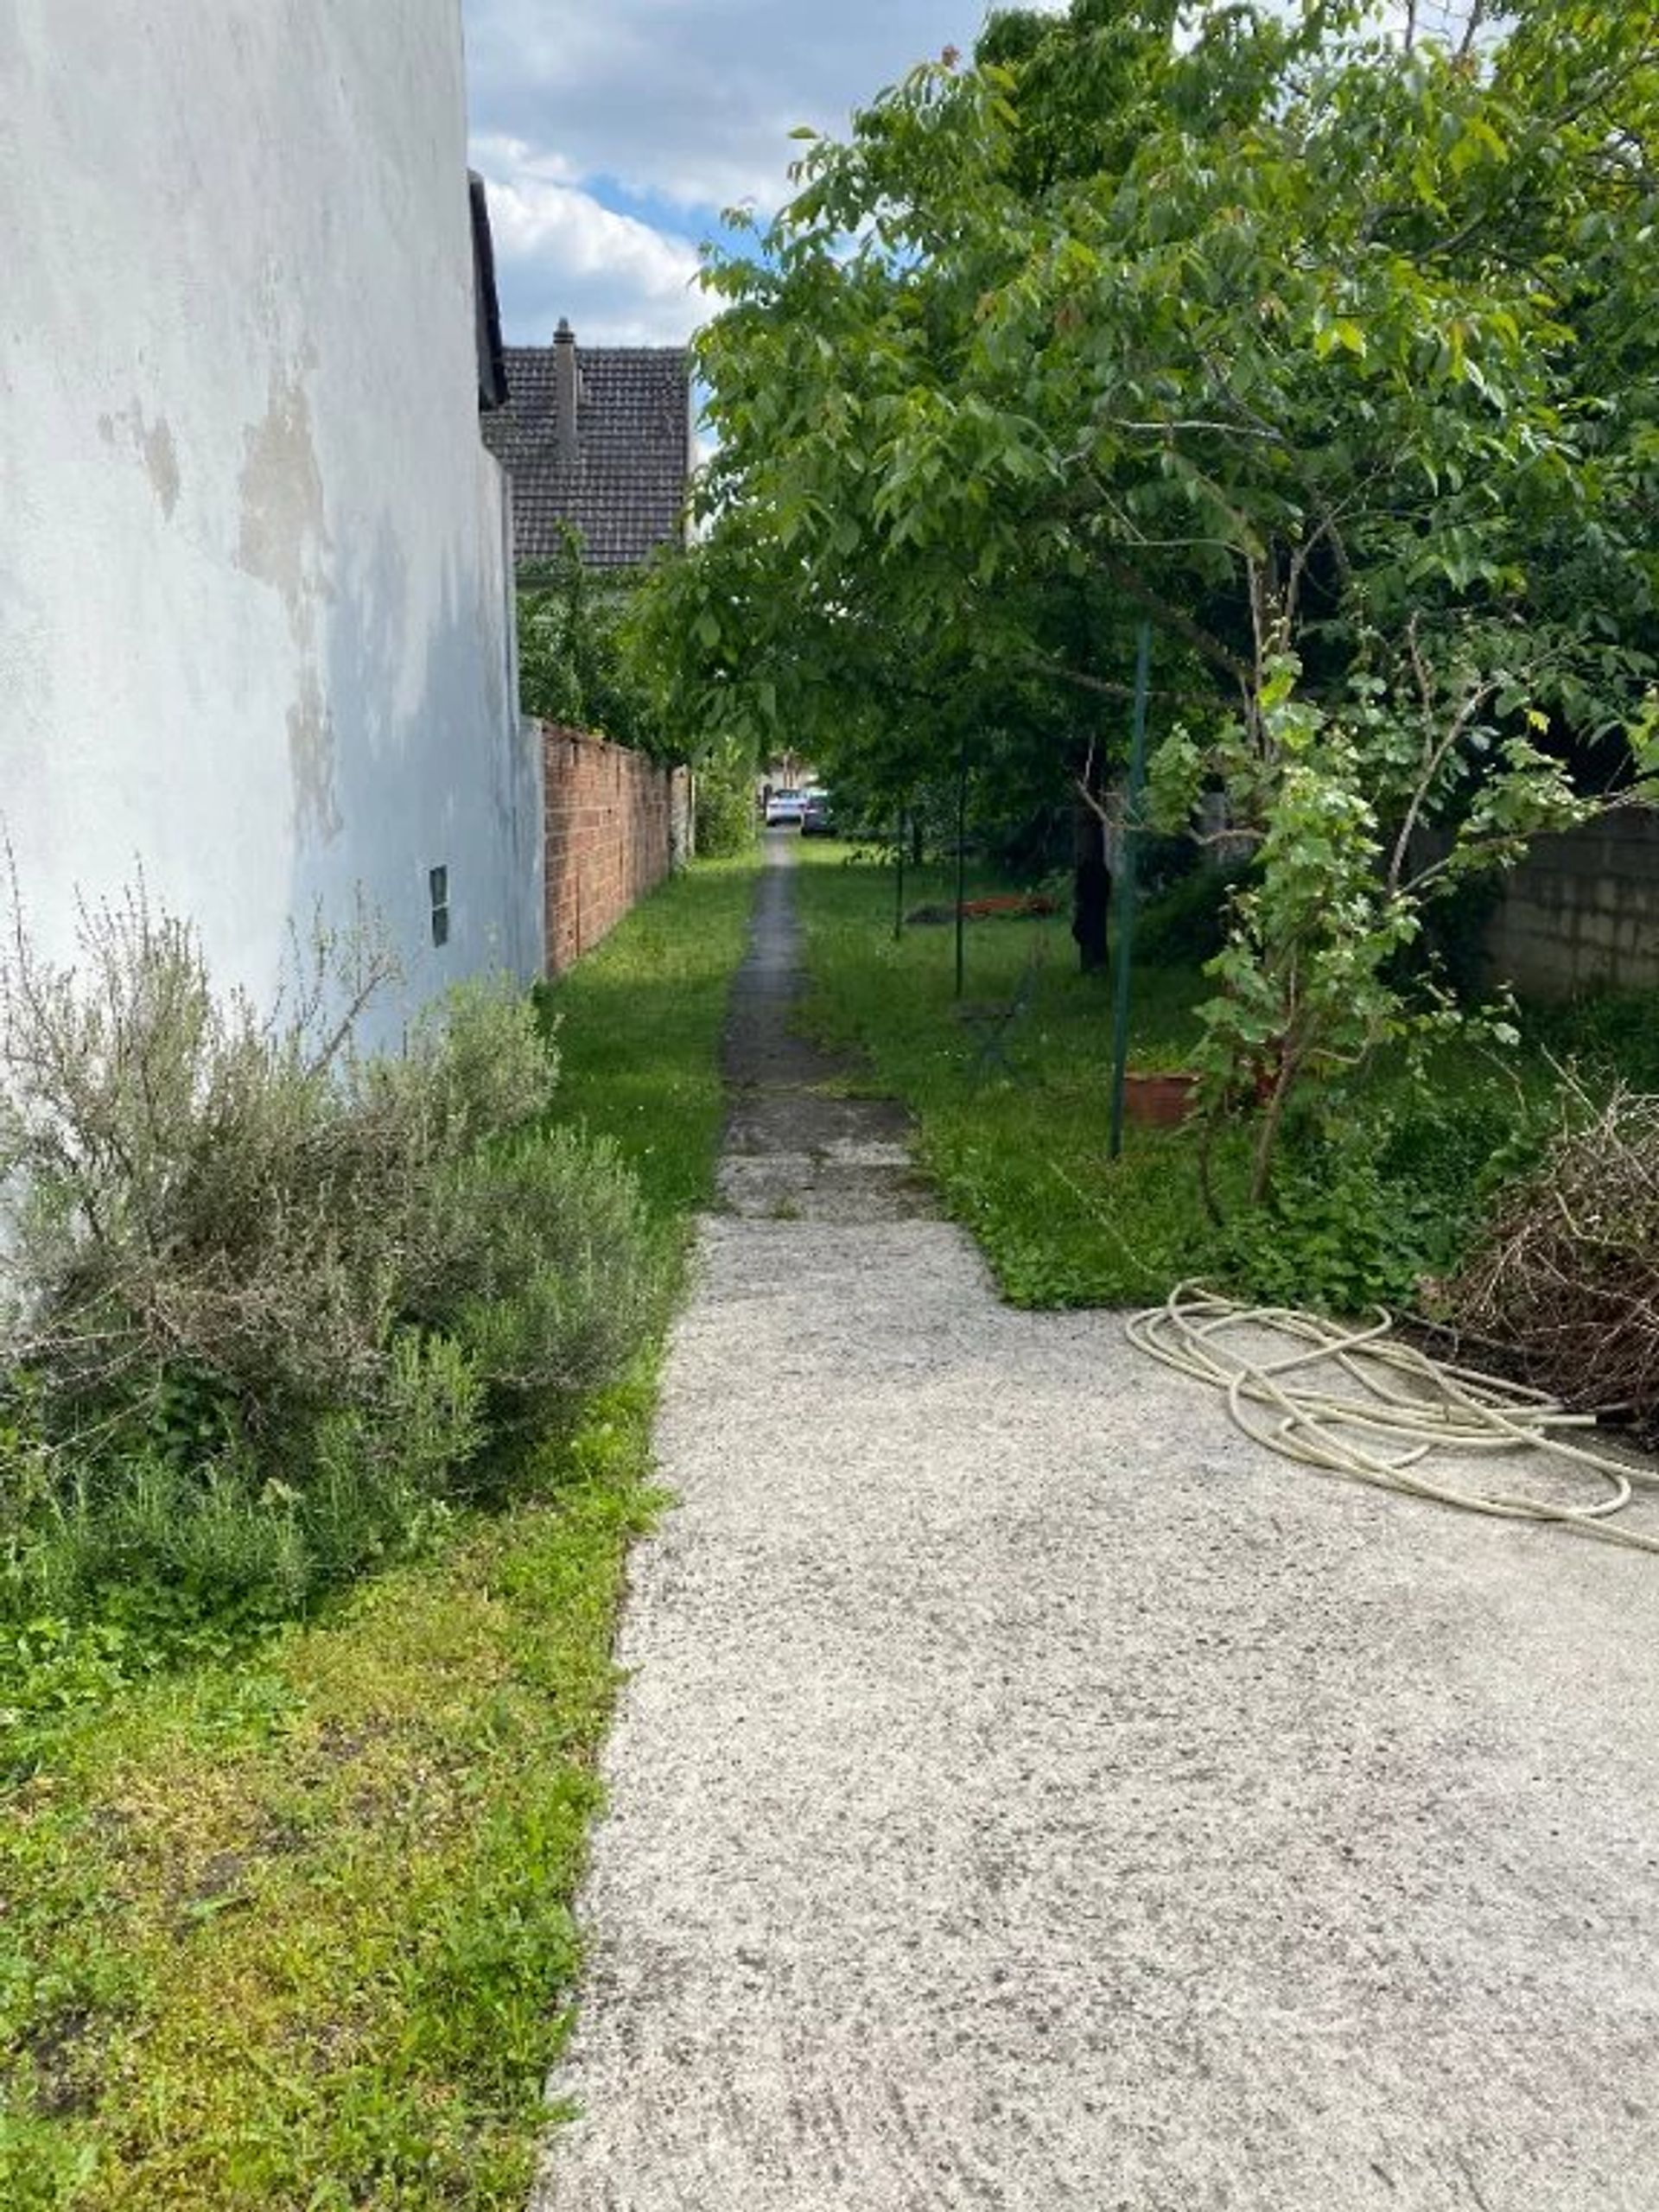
1567, 1276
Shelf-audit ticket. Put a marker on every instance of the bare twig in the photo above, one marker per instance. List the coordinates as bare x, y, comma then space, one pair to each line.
1472, 706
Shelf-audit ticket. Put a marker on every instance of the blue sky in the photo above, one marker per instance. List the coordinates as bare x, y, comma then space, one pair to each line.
612, 132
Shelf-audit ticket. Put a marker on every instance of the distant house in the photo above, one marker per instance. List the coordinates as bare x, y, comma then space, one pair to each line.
599, 437
246, 644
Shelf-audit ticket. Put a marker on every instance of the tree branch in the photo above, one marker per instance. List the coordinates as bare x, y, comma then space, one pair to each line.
1171, 618
1108, 688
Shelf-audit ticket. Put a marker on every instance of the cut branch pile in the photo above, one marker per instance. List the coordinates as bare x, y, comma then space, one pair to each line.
1566, 1277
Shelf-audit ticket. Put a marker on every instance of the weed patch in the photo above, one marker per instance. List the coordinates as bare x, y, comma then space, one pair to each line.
1020, 1158
307, 1928
271, 1305
289, 1908
1380, 1184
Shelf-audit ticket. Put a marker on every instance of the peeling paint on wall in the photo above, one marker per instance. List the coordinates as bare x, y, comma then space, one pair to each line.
153, 443
255, 610
285, 542
282, 518
311, 762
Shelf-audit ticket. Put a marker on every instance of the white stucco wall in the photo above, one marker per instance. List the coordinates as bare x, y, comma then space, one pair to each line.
254, 629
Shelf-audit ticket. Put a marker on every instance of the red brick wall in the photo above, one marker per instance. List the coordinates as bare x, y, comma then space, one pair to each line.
616, 823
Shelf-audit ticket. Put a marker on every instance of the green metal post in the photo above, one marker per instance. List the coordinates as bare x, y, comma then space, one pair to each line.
961, 852
1126, 858
899, 880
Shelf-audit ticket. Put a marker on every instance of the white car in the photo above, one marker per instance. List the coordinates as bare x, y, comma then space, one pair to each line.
784, 808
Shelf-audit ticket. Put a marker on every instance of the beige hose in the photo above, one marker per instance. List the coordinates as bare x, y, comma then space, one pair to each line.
1402, 1406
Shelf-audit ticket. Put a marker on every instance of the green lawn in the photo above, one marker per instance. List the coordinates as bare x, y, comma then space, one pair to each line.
1023, 1158
638, 1025
1022, 1161
290, 1930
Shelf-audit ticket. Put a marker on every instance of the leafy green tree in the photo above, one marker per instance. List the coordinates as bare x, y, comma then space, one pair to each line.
577, 664
1324, 348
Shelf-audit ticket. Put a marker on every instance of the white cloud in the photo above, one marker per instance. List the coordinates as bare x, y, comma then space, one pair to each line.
502, 157
692, 99
559, 252
686, 104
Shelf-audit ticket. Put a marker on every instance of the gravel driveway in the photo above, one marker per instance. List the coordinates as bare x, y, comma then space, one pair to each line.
1028, 1794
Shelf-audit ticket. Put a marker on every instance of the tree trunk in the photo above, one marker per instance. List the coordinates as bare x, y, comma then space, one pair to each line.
1267, 1137
1091, 889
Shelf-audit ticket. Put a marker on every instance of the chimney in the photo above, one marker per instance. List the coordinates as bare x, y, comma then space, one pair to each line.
567, 386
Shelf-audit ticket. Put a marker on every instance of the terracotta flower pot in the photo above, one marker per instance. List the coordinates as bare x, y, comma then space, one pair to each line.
1162, 1100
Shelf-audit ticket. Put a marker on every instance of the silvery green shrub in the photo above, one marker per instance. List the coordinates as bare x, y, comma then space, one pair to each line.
272, 1293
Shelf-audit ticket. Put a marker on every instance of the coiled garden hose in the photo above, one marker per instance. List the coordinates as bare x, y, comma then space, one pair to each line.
1403, 1408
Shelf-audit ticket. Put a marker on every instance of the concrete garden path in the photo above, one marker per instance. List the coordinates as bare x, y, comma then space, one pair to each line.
1028, 1795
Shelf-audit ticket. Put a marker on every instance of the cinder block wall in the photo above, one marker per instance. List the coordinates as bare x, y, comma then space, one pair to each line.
616, 823
1582, 911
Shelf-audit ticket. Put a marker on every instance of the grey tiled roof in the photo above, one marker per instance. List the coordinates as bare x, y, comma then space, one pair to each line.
627, 487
